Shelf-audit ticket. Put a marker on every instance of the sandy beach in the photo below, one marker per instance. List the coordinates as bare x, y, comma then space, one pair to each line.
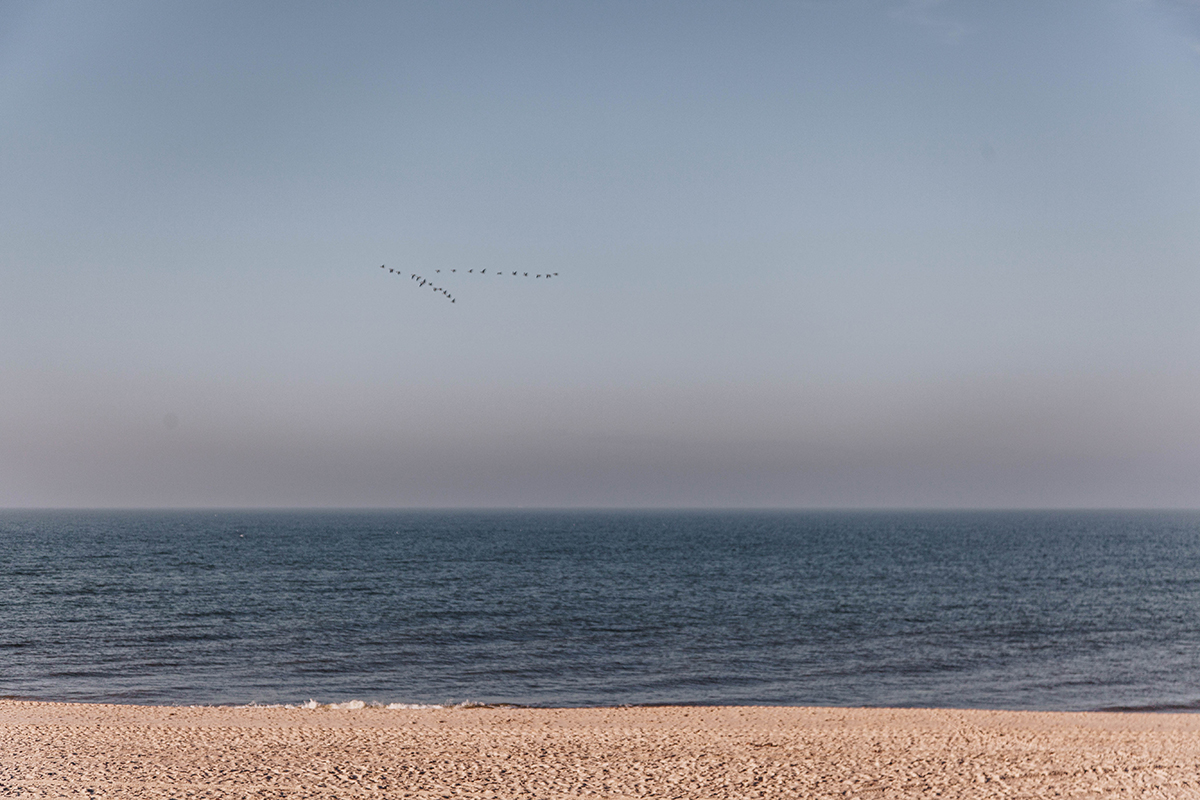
74, 750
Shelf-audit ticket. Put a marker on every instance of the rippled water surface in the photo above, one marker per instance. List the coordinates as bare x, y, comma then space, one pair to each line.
999, 610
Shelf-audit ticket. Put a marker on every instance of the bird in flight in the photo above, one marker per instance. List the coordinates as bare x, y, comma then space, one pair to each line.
422, 281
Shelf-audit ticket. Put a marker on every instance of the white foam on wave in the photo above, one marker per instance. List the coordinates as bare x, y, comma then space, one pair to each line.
349, 705
355, 705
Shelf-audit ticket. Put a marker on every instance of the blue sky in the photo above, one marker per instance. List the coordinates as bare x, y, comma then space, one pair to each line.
827, 254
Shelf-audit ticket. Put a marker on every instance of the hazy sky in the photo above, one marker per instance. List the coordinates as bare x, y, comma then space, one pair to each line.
935, 254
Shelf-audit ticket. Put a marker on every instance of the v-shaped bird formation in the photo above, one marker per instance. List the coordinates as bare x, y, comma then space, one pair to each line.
423, 282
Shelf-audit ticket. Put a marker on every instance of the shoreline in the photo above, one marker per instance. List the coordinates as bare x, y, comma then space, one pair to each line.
127, 751
1180, 709
372, 705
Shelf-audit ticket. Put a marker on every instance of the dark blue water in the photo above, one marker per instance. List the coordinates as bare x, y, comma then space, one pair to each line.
995, 610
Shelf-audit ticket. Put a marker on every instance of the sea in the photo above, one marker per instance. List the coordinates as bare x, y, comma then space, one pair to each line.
1007, 610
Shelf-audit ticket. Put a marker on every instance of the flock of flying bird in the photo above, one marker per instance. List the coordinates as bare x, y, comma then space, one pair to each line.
423, 281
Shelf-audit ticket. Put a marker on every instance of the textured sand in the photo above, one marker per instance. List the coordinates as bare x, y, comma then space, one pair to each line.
65, 750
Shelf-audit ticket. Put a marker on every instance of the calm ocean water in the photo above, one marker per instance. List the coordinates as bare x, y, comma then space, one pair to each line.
1029, 610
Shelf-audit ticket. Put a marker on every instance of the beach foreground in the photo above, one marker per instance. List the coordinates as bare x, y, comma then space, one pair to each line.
75, 750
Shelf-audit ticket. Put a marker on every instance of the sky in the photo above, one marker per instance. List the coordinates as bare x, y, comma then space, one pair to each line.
892, 254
